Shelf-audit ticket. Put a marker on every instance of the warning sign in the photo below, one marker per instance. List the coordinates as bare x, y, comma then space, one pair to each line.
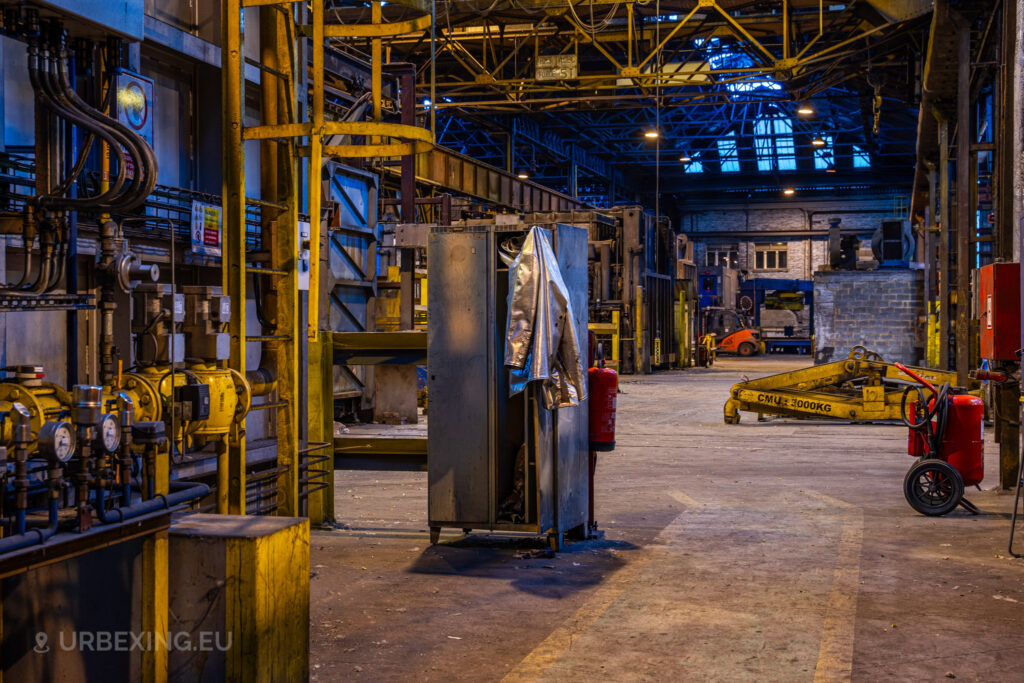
205, 229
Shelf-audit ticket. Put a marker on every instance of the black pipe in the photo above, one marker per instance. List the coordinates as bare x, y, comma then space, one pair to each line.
186, 492
33, 536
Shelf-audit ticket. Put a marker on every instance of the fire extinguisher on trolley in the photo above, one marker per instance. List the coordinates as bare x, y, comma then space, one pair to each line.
947, 435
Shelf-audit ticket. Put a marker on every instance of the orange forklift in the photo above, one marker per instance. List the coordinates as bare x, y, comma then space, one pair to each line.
732, 332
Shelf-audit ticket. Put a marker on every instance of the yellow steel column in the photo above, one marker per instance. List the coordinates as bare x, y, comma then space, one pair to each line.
279, 184
231, 463
320, 504
315, 166
616, 340
155, 587
638, 329
319, 357
375, 64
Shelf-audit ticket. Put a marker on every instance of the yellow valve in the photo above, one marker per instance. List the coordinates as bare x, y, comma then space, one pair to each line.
230, 399
44, 401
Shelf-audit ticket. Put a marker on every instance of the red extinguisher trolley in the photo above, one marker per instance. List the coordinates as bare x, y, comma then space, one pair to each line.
947, 436
602, 389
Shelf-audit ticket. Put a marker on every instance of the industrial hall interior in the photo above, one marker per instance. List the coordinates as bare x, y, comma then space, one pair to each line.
511, 340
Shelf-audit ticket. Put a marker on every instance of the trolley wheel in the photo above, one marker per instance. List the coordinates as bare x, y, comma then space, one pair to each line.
747, 349
435, 535
933, 487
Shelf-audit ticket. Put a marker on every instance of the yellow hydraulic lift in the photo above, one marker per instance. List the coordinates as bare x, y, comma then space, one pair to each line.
862, 387
288, 131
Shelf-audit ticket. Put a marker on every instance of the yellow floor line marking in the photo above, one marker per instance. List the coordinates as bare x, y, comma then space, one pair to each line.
535, 664
829, 499
685, 499
835, 654
542, 657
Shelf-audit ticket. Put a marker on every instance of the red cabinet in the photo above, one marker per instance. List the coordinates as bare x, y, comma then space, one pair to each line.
999, 304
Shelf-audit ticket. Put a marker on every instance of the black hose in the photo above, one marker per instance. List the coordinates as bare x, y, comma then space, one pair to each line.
938, 411
144, 178
257, 291
83, 155
61, 91
39, 82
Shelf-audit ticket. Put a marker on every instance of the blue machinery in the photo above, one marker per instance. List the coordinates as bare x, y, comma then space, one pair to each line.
762, 295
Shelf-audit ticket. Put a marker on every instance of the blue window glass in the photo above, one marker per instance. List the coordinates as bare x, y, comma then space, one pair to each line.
861, 159
824, 157
727, 155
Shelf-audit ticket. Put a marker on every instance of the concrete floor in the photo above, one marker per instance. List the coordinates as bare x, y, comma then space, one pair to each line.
780, 550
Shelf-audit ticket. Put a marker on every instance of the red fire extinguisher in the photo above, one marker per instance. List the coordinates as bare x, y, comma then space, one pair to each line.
947, 435
602, 387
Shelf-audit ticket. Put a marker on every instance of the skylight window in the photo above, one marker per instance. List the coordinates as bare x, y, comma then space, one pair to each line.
694, 166
861, 159
727, 155
824, 157
773, 142
722, 58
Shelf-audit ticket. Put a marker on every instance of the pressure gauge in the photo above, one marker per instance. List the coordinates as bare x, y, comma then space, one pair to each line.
57, 439
109, 432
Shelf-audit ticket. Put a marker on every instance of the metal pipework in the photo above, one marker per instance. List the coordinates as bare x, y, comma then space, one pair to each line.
261, 381
22, 437
22, 538
151, 436
86, 412
127, 411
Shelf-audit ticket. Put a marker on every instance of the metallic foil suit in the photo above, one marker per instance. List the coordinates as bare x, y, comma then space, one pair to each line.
540, 341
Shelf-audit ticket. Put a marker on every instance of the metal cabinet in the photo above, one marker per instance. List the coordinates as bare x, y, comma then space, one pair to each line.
476, 432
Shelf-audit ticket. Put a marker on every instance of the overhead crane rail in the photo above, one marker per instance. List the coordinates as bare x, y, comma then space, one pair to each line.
862, 387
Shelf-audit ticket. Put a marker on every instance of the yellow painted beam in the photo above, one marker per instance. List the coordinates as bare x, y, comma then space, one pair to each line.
231, 463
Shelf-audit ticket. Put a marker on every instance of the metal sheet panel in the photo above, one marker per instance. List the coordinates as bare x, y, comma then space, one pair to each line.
460, 356
572, 469
352, 276
116, 16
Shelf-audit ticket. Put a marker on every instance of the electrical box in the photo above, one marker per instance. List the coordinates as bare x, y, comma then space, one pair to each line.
999, 310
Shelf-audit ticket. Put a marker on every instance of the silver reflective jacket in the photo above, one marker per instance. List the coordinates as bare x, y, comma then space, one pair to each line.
540, 340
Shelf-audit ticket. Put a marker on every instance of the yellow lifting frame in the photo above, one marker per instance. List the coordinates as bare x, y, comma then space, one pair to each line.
857, 388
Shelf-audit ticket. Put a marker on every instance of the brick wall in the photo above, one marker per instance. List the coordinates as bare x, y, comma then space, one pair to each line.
879, 309
746, 226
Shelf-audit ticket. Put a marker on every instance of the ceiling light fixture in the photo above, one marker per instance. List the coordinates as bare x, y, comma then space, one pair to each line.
805, 110
685, 159
789, 191
651, 134
818, 141
522, 175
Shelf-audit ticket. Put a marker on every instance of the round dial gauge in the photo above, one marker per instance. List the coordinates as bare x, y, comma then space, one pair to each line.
57, 439
110, 432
